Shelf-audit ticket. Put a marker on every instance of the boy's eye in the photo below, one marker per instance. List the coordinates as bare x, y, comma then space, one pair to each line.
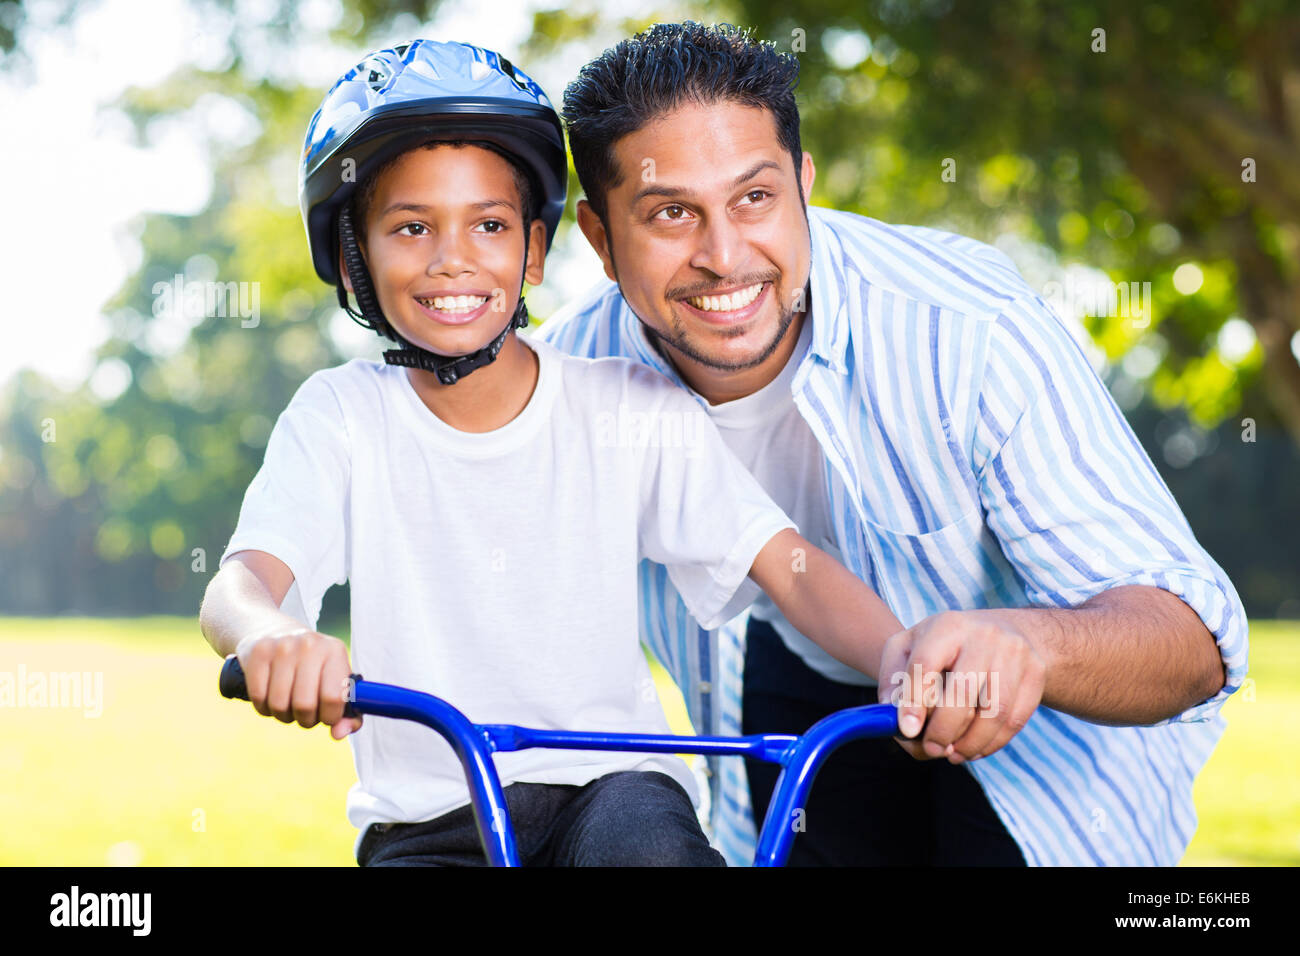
675, 213
419, 228
498, 225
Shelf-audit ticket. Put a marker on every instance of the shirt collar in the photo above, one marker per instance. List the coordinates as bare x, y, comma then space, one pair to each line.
829, 298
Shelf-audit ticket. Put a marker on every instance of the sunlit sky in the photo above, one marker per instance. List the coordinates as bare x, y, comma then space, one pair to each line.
75, 180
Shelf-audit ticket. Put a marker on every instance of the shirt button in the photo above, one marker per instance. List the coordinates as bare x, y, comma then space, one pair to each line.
705, 687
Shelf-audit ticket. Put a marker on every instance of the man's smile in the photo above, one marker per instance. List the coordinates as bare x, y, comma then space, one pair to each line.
731, 307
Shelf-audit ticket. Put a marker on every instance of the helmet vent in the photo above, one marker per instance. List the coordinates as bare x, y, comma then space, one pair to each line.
509, 69
376, 74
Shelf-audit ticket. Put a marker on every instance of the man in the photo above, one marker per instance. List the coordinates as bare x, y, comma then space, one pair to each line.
918, 410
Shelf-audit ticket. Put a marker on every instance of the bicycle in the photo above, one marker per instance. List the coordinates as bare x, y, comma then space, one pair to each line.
800, 757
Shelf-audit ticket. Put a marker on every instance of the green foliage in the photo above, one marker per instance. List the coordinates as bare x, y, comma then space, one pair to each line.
1128, 161
132, 502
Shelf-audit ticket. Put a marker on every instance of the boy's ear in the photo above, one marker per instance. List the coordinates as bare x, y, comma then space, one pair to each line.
535, 268
594, 230
343, 273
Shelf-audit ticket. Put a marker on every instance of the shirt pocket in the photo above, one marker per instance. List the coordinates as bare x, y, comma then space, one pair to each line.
949, 568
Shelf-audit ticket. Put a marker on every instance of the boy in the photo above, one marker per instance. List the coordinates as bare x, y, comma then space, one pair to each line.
486, 496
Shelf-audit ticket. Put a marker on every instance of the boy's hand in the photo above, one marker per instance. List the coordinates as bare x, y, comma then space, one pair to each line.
302, 676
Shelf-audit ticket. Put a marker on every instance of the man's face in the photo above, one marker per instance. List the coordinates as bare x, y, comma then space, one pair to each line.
706, 234
444, 245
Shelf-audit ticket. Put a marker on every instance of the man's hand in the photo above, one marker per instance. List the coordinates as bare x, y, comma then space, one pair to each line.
964, 684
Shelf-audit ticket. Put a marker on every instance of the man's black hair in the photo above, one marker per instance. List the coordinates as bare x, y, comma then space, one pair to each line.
530, 194
661, 68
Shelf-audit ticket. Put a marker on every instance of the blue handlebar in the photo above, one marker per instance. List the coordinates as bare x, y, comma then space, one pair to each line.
799, 757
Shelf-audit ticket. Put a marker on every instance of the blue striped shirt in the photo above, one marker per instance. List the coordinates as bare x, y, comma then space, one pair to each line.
975, 459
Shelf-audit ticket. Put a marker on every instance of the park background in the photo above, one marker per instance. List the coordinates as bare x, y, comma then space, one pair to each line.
1097, 144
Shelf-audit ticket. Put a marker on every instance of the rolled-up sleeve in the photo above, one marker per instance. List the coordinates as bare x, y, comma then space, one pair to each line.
1074, 499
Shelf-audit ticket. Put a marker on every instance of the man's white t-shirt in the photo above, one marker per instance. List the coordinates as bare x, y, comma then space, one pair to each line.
498, 570
771, 438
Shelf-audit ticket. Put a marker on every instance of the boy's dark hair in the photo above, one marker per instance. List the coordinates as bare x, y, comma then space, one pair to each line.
657, 70
530, 194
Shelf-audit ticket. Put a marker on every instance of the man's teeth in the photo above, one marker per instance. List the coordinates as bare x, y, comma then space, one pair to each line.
454, 303
726, 303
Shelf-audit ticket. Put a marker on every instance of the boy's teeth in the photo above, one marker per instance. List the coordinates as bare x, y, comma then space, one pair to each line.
726, 303
455, 303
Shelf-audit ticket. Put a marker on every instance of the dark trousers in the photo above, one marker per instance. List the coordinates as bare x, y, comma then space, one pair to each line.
630, 818
872, 803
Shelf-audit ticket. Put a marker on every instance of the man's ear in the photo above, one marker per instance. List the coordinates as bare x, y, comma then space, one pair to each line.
535, 267
594, 230
807, 174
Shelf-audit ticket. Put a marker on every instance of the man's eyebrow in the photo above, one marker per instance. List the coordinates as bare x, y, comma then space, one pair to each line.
421, 208
673, 191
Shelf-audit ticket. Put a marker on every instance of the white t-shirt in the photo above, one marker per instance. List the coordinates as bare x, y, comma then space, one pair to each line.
772, 439
499, 570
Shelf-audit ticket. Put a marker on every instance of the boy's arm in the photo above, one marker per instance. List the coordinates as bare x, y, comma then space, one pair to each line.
243, 598
825, 601
292, 672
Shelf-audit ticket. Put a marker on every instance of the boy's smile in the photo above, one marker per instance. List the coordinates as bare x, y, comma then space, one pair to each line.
453, 307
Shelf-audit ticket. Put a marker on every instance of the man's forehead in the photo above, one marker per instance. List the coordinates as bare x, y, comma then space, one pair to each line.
699, 147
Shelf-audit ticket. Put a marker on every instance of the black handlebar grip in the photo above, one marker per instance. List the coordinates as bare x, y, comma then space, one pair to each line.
233, 686
232, 680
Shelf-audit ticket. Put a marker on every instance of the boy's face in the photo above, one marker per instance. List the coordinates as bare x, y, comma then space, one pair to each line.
708, 205
444, 244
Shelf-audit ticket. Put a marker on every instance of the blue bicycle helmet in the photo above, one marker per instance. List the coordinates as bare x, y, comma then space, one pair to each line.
397, 99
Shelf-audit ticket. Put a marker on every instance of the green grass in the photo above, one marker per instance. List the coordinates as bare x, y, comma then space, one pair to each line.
171, 774
1248, 795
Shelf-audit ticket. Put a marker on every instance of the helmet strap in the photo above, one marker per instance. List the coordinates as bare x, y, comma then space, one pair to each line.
449, 369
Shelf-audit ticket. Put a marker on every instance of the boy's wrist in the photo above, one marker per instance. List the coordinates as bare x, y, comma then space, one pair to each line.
289, 630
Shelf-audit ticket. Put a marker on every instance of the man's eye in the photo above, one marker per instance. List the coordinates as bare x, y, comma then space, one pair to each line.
675, 213
760, 194
413, 226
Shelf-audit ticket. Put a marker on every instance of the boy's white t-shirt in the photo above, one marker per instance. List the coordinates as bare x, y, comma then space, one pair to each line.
768, 433
498, 570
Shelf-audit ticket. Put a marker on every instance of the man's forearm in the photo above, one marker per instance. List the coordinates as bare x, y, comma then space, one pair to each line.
1130, 655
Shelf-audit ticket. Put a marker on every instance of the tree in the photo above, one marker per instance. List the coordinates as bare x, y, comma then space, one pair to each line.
1139, 138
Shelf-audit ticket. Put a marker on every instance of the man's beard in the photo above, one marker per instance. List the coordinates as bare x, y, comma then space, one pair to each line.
679, 342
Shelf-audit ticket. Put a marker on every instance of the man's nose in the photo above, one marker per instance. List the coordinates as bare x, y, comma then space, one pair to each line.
721, 248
